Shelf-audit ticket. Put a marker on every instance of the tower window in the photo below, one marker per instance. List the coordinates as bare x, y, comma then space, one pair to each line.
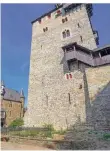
63, 20
81, 38
10, 113
69, 99
47, 100
78, 25
45, 29
68, 33
64, 34
10, 105
66, 19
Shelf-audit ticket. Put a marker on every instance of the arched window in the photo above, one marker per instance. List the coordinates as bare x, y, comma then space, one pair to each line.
64, 34
68, 33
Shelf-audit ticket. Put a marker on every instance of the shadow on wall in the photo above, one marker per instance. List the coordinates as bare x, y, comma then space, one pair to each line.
100, 108
86, 135
97, 110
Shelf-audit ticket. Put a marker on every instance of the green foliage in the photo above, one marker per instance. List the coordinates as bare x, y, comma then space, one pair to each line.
46, 133
106, 136
49, 127
60, 132
16, 123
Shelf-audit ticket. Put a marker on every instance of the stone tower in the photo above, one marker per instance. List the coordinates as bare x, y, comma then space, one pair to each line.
22, 99
52, 98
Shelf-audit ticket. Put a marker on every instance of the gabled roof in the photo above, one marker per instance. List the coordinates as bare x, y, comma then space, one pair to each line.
11, 94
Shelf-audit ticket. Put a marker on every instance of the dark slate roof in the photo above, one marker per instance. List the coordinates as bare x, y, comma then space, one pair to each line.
102, 48
11, 94
86, 49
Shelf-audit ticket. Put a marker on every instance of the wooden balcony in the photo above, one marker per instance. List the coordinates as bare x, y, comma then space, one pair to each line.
101, 61
86, 58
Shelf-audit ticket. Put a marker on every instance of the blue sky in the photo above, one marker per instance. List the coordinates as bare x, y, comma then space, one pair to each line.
16, 38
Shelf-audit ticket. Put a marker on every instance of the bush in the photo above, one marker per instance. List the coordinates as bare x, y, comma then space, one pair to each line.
17, 123
49, 127
106, 136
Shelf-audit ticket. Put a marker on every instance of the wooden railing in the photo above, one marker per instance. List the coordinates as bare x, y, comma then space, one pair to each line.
86, 58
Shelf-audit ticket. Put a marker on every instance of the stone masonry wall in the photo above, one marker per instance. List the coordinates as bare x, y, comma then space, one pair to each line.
13, 110
99, 94
51, 98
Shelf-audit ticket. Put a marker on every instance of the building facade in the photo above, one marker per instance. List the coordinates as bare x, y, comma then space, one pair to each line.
66, 68
12, 105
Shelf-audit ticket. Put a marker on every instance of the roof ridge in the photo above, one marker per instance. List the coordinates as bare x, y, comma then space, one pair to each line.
13, 89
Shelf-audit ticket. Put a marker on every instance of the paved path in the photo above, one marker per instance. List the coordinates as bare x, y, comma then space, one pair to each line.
15, 146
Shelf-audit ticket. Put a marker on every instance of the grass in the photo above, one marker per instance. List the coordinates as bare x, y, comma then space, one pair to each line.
49, 133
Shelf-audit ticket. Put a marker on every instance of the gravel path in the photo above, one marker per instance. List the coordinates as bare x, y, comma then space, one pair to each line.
15, 146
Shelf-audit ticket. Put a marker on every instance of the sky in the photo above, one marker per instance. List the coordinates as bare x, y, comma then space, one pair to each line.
16, 32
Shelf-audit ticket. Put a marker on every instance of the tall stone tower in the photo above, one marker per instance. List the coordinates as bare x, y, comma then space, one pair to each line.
54, 97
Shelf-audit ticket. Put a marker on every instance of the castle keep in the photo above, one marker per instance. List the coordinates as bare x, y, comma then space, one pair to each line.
69, 76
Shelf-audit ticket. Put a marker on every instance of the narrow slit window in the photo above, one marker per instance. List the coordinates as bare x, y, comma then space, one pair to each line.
78, 25
81, 38
47, 100
10, 113
63, 20
69, 98
66, 19
46, 28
